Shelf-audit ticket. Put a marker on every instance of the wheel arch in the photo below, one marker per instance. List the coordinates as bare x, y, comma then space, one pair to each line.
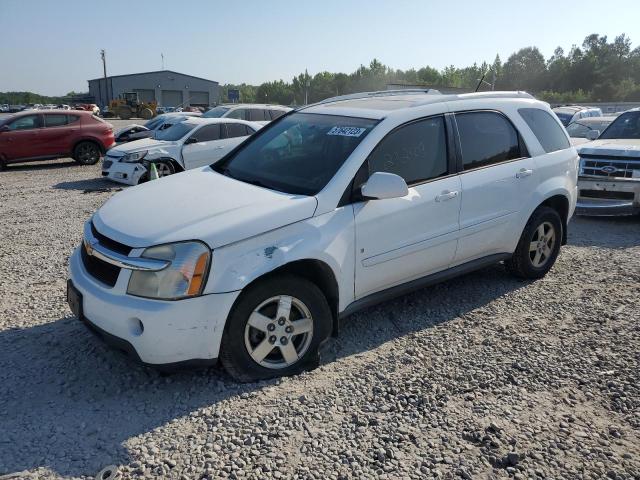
314, 270
88, 139
560, 203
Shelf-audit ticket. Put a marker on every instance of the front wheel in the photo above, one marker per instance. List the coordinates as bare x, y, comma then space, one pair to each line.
539, 245
275, 329
86, 153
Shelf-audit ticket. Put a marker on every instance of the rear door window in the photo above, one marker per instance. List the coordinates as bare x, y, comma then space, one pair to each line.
258, 115
276, 113
236, 130
55, 120
545, 128
486, 138
208, 133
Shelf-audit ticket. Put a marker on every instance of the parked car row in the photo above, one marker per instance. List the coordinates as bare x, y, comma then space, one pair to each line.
253, 260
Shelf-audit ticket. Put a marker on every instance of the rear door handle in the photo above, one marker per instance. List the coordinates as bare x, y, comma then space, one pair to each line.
446, 195
524, 172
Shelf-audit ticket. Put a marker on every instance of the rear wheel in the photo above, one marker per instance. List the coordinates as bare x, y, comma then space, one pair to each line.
275, 329
539, 245
124, 113
146, 113
86, 153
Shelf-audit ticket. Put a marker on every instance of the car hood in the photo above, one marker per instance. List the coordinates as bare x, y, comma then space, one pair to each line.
128, 127
619, 147
137, 145
197, 205
578, 141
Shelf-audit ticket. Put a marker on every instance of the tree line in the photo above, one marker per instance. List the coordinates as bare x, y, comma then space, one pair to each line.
597, 70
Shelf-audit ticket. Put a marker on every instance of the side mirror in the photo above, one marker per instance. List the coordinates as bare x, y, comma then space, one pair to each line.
190, 140
5, 128
593, 134
382, 185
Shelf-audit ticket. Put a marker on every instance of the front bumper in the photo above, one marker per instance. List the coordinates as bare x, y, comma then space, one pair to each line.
608, 197
121, 172
154, 332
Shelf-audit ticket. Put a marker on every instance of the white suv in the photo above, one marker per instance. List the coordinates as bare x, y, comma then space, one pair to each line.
325, 211
252, 112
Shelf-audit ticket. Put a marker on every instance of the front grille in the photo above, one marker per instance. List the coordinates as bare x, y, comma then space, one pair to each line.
607, 194
110, 244
610, 166
107, 164
99, 269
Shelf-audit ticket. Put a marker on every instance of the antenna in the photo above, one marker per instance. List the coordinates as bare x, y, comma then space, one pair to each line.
486, 83
162, 56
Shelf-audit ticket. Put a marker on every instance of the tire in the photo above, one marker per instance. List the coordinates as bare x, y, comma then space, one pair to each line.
87, 153
165, 168
146, 113
537, 251
272, 332
124, 113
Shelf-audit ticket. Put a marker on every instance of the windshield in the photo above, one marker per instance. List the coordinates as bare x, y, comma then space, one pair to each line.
155, 122
299, 154
216, 112
176, 132
626, 125
565, 118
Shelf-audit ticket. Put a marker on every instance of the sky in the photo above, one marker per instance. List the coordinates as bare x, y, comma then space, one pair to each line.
53, 46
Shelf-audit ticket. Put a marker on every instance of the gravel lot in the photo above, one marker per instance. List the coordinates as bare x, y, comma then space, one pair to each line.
480, 377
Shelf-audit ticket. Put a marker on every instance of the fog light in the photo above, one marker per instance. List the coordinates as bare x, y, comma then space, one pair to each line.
136, 327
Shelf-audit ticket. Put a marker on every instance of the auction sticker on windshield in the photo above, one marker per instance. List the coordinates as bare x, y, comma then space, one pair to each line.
346, 131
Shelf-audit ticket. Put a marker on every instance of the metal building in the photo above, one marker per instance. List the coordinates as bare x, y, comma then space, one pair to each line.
166, 87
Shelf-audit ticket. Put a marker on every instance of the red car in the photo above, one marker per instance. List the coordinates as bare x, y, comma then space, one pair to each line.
42, 135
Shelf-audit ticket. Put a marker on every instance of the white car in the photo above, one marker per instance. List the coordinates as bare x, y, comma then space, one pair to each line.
252, 112
192, 143
570, 113
610, 169
331, 209
587, 129
151, 127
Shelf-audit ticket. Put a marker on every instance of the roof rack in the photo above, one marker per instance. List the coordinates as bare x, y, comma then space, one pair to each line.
380, 93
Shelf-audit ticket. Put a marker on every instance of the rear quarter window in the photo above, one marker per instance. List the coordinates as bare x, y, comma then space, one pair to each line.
545, 128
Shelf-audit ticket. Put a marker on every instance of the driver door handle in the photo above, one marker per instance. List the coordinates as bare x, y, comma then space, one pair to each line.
524, 172
447, 195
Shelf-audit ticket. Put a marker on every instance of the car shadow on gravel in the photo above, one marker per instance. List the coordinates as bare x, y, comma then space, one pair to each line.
92, 185
605, 232
423, 309
44, 165
68, 403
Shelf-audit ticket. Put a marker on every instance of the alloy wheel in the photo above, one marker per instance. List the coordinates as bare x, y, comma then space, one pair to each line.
278, 332
163, 169
542, 243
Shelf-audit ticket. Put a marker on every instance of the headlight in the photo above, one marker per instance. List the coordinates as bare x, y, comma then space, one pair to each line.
184, 277
134, 157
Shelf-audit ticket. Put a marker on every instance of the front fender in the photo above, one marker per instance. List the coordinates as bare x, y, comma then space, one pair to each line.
328, 238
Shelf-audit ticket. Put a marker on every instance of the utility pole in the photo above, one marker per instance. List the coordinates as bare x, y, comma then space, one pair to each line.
162, 55
306, 87
103, 55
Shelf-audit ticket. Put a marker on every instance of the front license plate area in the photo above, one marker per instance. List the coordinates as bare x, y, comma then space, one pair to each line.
74, 299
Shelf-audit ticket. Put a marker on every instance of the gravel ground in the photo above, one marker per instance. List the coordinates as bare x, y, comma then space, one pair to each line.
480, 377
